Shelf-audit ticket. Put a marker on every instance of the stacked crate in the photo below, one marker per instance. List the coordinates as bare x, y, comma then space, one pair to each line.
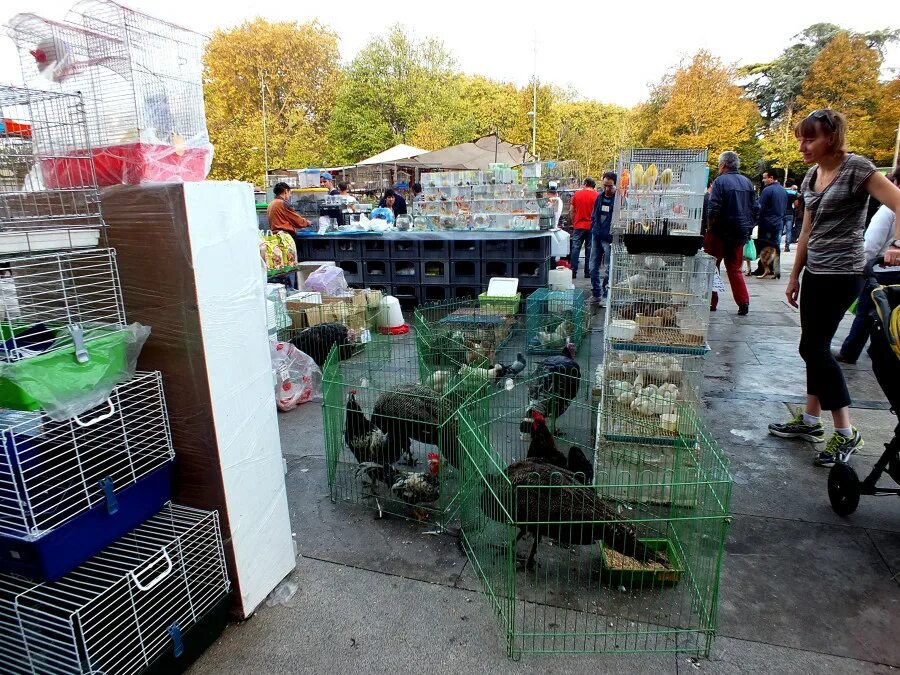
98, 571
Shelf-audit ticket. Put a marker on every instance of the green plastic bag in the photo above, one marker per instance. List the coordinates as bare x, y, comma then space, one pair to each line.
750, 250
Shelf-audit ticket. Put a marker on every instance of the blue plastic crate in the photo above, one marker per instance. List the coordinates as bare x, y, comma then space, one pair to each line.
553, 316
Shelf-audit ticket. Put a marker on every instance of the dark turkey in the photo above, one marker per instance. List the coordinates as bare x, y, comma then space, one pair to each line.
414, 412
317, 341
556, 506
558, 379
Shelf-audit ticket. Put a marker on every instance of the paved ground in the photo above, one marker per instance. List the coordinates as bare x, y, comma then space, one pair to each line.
802, 589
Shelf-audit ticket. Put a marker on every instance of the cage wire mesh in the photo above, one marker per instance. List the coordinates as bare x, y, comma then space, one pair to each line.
36, 129
53, 301
659, 301
141, 78
52, 471
618, 569
314, 328
383, 410
664, 191
554, 317
117, 612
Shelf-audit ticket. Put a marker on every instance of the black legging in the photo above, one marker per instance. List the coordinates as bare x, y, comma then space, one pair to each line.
824, 299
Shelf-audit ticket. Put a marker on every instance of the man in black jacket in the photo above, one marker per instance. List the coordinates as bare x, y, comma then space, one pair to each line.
732, 212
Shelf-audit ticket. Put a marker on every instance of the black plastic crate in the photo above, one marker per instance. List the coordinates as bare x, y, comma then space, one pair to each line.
405, 272
434, 249
465, 272
384, 288
465, 292
404, 249
407, 295
347, 249
531, 248
376, 249
353, 272
465, 249
435, 293
318, 248
531, 272
496, 268
376, 271
496, 249
435, 272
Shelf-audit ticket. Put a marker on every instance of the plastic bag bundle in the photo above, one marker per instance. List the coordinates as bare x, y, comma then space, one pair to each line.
327, 280
297, 377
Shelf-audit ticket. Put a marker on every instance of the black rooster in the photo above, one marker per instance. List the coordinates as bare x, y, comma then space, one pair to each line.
317, 341
560, 377
543, 448
366, 441
556, 506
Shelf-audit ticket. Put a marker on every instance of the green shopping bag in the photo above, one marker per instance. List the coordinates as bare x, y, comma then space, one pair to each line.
750, 250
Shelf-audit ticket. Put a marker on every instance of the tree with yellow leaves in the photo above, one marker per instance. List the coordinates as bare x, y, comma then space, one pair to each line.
295, 69
702, 107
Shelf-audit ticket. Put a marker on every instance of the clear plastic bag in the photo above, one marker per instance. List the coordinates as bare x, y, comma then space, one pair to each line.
327, 280
297, 377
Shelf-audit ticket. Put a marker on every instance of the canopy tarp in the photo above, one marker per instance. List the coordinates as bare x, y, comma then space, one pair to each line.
475, 155
391, 155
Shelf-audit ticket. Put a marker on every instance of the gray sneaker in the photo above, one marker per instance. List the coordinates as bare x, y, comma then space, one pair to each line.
839, 449
797, 428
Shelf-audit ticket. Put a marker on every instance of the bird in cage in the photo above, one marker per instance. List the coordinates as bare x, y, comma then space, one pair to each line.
557, 382
543, 448
557, 506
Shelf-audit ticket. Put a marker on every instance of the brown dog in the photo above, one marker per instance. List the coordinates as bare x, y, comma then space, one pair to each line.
769, 263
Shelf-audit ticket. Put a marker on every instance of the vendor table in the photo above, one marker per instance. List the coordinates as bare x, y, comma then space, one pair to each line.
419, 267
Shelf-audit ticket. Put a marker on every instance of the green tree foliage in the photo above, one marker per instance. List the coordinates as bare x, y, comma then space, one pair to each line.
296, 69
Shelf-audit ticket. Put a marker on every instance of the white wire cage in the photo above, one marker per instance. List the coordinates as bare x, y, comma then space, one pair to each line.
56, 301
659, 302
664, 192
51, 471
141, 78
122, 609
37, 128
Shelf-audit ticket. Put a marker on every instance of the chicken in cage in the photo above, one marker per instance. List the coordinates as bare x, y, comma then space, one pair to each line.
38, 212
141, 78
148, 597
660, 202
660, 300
98, 475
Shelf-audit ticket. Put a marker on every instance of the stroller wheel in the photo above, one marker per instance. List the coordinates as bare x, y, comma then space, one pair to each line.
843, 489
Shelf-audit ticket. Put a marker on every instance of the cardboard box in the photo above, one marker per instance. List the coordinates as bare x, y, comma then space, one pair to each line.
352, 311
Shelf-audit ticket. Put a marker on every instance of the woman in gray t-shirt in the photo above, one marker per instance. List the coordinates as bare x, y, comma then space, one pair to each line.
831, 256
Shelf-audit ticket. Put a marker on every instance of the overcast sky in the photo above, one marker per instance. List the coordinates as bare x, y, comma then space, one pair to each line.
604, 51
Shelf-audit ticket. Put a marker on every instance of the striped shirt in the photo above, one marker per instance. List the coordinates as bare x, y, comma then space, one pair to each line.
838, 215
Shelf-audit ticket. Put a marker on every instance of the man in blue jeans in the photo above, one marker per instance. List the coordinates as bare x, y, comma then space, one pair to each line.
580, 210
601, 233
790, 185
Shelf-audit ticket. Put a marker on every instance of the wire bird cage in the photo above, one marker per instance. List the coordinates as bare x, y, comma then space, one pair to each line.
554, 317
664, 194
641, 392
314, 328
122, 609
100, 474
141, 78
628, 564
396, 408
60, 301
659, 302
37, 128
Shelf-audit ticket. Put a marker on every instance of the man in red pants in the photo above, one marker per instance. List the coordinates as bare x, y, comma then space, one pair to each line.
731, 213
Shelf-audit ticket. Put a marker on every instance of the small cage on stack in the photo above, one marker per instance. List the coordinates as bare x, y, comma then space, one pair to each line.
142, 84
660, 203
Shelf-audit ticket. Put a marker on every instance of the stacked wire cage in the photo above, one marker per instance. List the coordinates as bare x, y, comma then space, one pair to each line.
622, 557
141, 78
553, 317
660, 203
86, 454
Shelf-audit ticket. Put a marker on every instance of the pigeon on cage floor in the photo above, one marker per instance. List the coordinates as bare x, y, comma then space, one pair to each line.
513, 368
558, 383
543, 448
557, 507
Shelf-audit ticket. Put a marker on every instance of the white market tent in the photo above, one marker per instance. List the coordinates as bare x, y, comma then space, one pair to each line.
398, 152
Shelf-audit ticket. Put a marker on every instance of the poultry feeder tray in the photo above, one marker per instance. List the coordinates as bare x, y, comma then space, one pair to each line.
619, 570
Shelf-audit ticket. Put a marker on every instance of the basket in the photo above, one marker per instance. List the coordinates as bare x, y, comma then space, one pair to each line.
501, 304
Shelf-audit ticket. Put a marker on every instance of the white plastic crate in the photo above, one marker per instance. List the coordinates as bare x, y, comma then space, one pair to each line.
123, 608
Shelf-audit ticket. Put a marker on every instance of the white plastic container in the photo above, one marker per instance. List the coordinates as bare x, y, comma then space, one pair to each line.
391, 316
622, 329
560, 279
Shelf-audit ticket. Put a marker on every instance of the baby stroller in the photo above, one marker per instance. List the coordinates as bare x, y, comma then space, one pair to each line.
844, 486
